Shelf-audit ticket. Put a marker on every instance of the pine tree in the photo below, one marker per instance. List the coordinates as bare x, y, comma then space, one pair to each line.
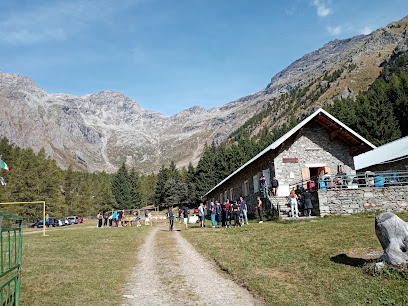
378, 123
148, 188
398, 94
82, 205
205, 171
162, 178
222, 162
121, 188
69, 190
103, 199
189, 179
135, 190
48, 180
173, 172
175, 192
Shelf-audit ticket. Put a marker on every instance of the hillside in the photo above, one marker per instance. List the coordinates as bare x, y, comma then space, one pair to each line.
349, 67
100, 131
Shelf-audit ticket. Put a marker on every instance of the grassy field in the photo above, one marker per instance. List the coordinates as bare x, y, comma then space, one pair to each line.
78, 264
318, 262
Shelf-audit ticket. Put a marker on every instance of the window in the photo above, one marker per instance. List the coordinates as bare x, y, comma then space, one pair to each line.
245, 188
267, 175
230, 195
256, 183
220, 198
225, 196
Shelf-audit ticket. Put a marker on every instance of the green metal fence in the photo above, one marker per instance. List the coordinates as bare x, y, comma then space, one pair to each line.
11, 251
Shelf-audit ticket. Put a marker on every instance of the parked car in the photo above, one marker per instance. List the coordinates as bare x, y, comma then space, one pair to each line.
52, 221
67, 221
39, 223
60, 222
73, 219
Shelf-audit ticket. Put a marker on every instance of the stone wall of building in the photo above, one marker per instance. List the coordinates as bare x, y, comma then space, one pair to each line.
312, 148
349, 201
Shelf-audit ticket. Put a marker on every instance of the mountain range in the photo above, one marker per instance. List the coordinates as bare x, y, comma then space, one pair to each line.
98, 132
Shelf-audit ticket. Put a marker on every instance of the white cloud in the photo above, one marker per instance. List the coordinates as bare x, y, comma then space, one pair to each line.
366, 30
322, 8
334, 30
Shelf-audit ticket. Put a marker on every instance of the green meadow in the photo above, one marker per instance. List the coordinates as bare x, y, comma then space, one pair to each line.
78, 264
320, 261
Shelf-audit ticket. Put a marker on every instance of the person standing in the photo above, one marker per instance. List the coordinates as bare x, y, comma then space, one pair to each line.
275, 186
218, 212
105, 219
115, 218
244, 210
99, 217
120, 216
185, 215
259, 208
47, 221
138, 218
235, 213
149, 215
293, 203
227, 213
146, 216
180, 212
262, 184
201, 214
307, 203
213, 213
171, 219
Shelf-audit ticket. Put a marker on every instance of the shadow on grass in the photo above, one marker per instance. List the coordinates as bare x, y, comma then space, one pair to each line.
350, 261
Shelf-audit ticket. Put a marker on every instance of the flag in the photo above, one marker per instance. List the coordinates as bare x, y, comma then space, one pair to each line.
2, 181
4, 166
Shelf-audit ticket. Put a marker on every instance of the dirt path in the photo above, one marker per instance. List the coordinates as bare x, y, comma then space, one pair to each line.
171, 272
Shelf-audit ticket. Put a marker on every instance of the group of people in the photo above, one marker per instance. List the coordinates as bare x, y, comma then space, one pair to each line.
226, 213
184, 211
263, 185
302, 200
118, 218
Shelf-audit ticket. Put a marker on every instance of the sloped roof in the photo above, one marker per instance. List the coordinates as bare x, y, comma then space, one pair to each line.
333, 125
386, 153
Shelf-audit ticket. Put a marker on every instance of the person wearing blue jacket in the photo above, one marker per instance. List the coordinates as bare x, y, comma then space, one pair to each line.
213, 210
115, 217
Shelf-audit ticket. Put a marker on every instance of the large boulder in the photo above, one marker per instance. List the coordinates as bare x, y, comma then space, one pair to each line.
392, 232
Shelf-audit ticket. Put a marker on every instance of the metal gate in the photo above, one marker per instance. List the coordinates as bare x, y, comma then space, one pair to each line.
11, 251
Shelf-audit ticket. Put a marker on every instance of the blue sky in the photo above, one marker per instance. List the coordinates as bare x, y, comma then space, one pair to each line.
169, 55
